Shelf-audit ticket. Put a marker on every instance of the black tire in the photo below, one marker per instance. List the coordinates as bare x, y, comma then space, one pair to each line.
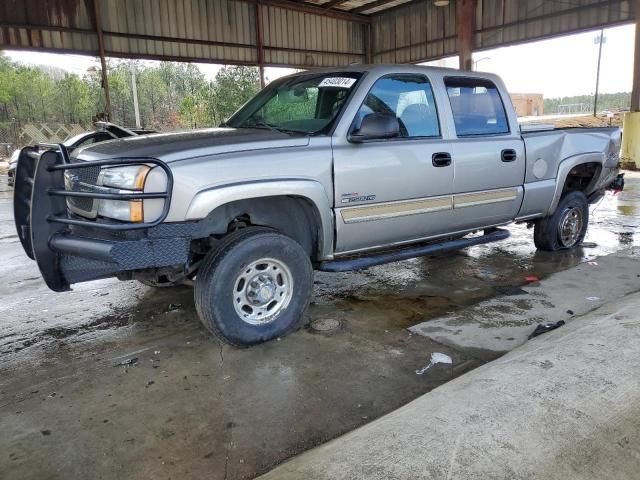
546, 233
216, 287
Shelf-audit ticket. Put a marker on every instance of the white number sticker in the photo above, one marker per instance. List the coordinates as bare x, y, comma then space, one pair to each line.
339, 82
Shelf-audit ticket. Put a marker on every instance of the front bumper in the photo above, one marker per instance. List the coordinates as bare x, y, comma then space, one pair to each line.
69, 249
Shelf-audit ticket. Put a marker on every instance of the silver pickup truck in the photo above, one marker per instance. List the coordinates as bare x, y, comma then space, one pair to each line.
335, 170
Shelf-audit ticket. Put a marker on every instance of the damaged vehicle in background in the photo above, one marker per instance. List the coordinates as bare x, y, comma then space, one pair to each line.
104, 131
333, 169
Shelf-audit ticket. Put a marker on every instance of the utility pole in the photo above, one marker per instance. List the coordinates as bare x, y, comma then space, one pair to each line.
600, 40
134, 89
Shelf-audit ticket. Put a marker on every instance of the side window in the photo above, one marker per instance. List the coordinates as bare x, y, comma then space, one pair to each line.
301, 106
409, 98
477, 107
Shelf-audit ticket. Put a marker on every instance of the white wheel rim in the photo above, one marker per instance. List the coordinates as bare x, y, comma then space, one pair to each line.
262, 291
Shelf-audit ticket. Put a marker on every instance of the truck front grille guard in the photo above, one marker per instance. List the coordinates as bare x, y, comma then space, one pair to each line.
40, 207
66, 165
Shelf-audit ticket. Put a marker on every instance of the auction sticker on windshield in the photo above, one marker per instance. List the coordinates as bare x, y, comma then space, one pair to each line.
340, 82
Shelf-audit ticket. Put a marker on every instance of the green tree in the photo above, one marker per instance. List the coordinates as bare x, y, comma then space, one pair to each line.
232, 88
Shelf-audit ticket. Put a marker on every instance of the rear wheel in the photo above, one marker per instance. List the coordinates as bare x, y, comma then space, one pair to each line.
567, 227
254, 287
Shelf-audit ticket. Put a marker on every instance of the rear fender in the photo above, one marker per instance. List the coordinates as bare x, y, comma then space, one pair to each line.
563, 172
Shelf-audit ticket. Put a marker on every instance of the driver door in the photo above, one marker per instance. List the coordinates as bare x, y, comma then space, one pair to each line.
395, 190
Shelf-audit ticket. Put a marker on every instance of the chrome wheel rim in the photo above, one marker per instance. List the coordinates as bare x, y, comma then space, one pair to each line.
570, 227
262, 291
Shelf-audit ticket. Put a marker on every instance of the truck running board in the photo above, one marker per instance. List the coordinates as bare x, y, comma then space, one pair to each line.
360, 263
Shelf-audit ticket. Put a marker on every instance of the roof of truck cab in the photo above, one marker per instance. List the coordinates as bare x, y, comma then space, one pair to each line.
385, 69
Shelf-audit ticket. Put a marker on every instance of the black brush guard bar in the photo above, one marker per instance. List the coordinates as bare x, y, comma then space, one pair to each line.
42, 219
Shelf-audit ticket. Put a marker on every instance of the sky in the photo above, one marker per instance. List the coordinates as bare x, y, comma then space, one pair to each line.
557, 67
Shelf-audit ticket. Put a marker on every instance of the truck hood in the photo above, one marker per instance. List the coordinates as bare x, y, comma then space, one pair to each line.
170, 147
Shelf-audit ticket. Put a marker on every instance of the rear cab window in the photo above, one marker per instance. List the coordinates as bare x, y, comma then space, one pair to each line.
476, 106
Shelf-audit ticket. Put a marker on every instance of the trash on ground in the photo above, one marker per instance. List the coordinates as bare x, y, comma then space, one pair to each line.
436, 357
546, 327
589, 245
570, 312
506, 290
593, 299
127, 362
593, 263
531, 278
175, 306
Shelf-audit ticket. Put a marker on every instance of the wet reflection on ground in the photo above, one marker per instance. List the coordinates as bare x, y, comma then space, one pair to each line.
190, 407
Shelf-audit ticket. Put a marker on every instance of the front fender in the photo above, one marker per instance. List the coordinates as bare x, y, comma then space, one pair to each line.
208, 200
563, 171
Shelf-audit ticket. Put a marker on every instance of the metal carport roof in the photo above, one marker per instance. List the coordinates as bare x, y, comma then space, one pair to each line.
289, 33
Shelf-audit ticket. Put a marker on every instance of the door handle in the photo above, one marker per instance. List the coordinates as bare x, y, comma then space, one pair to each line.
508, 155
441, 159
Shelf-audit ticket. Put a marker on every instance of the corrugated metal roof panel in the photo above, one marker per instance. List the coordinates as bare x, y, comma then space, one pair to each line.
299, 38
501, 22
295, 33
414, 33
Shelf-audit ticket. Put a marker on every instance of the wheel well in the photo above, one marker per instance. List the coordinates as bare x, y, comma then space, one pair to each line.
582, 177
296, 217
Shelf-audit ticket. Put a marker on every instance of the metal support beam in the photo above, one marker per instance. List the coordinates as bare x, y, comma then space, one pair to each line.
103, 61
313, 10
260, 43
333, 3
466, 18
368, 44
370, 5
635, 91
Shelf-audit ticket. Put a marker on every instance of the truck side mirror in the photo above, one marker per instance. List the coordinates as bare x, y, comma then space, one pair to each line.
376, 126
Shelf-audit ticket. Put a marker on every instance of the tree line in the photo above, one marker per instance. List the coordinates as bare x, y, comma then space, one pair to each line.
170, 95
606, 101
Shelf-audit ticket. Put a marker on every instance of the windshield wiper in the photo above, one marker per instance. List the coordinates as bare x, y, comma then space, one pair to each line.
273, 128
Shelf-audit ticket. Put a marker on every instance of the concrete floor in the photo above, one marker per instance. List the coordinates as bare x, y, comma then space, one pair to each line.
565, 406
116, 380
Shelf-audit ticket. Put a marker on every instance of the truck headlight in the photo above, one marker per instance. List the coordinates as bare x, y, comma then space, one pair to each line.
126, 179
125, 210
130, 177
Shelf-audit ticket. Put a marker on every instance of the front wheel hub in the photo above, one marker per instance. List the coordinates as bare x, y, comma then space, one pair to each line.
262, 290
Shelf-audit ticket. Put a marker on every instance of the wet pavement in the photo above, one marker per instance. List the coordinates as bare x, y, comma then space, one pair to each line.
117, 380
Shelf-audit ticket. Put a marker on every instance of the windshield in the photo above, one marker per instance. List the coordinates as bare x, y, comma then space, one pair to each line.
307, 104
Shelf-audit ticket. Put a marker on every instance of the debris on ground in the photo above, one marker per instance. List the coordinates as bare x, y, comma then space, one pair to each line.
129, 362
531, 278
593, 263
507, 290
589, 245
593, 299
546, 327
175, 306
570, 312
436, 357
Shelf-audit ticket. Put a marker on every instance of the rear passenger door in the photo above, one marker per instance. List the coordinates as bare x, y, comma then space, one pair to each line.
488, 157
